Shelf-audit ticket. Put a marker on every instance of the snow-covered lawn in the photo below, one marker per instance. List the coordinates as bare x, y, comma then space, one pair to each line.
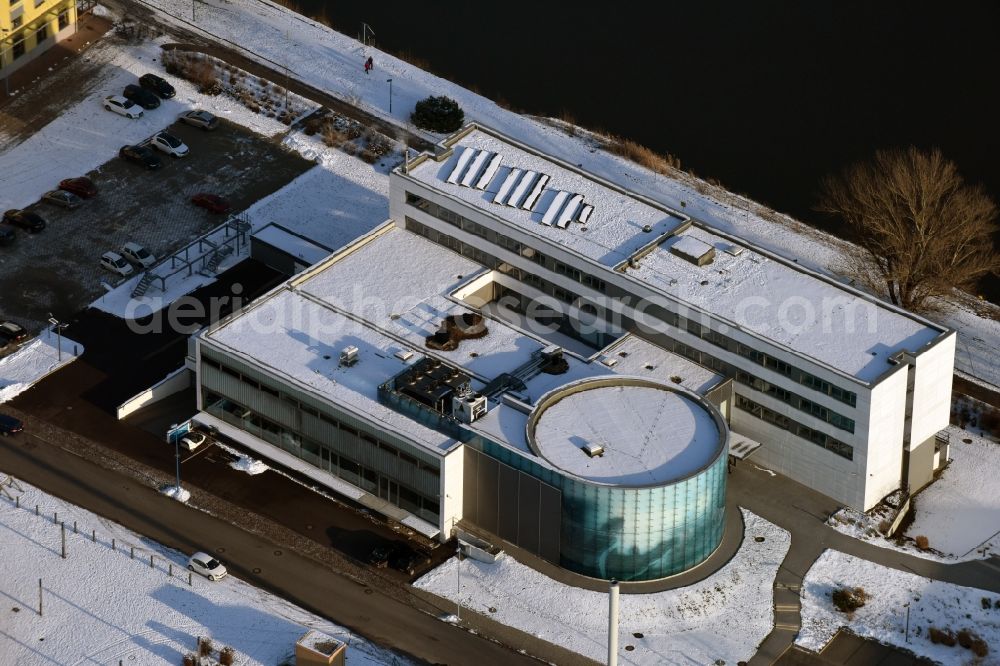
100, 606
883, 617
36, 359
959, 513
725, 616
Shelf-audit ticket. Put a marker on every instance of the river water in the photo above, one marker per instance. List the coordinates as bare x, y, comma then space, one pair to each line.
766, 97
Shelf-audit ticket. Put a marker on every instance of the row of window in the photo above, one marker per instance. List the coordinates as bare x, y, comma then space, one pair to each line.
704, 332
797, 401
19, 47
805, 432
326, 459
345, 428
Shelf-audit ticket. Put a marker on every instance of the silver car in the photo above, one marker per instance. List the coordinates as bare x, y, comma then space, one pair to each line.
62, 198
169, 144
202, 119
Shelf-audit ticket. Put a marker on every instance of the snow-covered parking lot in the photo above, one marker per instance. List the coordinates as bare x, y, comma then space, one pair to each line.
101, 606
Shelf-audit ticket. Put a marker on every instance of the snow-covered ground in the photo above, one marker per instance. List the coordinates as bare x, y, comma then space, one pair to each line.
100, 606
333, 62
883, 617
725, 616
36, 359
959, 513
243, 462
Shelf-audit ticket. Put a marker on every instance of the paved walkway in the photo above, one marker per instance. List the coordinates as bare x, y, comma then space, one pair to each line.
803, 512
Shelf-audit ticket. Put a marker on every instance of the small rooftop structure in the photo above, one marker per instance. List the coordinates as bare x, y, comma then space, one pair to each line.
318, 649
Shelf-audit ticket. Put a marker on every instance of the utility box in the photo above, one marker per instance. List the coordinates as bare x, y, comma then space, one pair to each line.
349, 355
318, 649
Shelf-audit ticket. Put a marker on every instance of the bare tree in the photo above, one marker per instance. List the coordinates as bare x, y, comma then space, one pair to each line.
920, 230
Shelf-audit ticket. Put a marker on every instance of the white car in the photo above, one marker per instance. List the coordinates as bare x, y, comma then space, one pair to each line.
207, 566
122, 106
169, 144
192, 440
137, 254
116, 263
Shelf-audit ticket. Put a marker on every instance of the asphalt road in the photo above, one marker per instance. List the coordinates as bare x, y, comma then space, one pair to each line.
298, 579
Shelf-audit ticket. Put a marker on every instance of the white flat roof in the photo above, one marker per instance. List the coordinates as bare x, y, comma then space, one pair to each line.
856, 345
649, 435
780, 303
294, 337
614, 229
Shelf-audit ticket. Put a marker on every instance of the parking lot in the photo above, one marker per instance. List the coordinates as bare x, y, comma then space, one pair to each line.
57, 270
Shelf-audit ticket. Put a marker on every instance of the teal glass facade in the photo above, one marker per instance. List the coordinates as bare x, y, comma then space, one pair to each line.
632, 533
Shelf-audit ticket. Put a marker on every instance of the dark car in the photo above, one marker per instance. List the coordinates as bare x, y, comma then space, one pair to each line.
141, 96
81, 187
7, 236
25, 219
11, 332
379, 557
406, 559
9, 425
141, 155
154, 83
210, 202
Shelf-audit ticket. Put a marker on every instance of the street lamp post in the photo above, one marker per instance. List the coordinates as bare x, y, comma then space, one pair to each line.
906, 634
177, 460
389, 81
58, 327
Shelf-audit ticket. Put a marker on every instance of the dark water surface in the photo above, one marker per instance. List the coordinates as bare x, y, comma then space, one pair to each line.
767, 97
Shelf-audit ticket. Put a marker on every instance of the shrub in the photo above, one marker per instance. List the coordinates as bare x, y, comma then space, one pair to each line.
884, 526
189, 660
438, 114
640, 154
941, 636
204, 646
227, 656
849, 599
985, 603
922, 542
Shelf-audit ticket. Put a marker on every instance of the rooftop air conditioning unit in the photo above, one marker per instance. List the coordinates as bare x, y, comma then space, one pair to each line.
404, 355
349, 355
593, 450
469, 407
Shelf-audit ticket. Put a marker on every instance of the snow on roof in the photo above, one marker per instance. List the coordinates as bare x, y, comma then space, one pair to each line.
788, 306
689, 246
391, 274
648, 435
295, 337
614, 230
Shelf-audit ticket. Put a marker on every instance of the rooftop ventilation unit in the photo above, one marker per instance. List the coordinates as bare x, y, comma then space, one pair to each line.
349, 355
463, 161
404, 355
691, 249
609, 361
734, 250
467, 408
507, 186
491, 170
536, 191
569, 211
522, 188
472, 173
584, 214
555, 206
593, 450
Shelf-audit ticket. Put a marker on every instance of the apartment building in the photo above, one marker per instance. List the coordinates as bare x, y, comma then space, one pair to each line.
29, 27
